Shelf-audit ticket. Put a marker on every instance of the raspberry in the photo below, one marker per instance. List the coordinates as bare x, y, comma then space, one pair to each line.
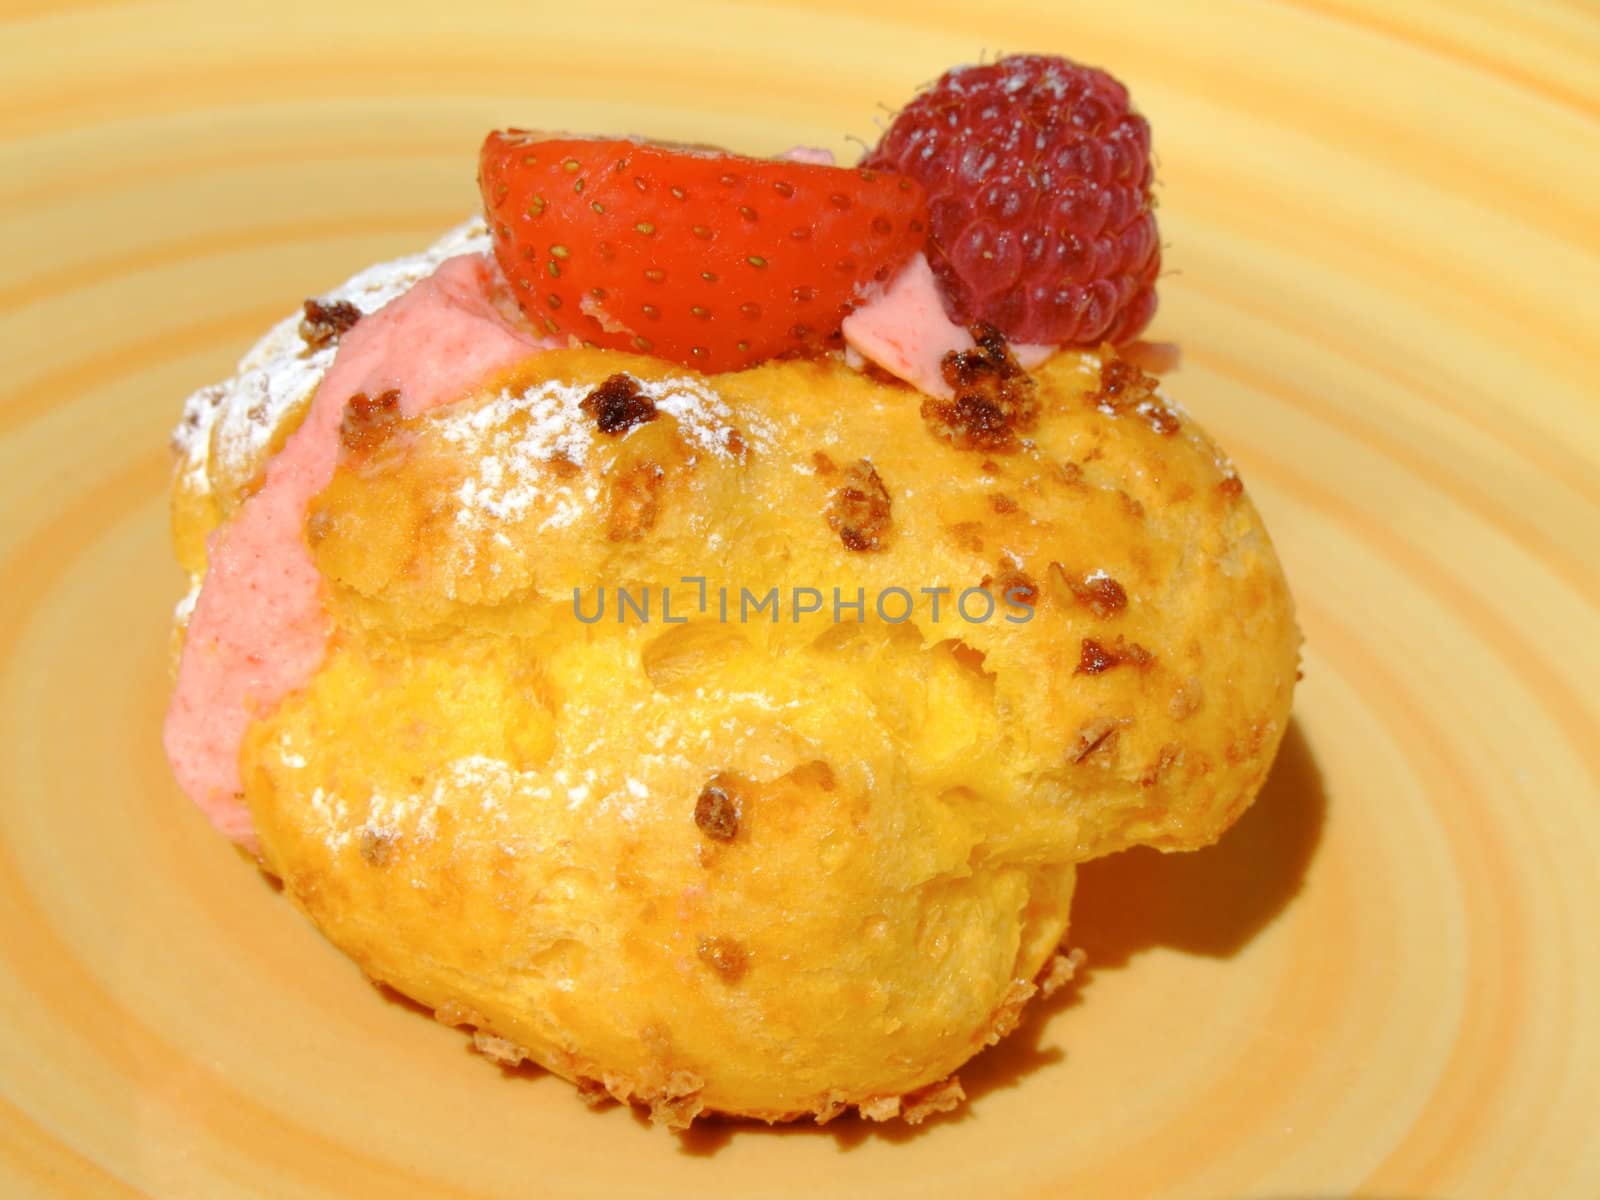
1038, 179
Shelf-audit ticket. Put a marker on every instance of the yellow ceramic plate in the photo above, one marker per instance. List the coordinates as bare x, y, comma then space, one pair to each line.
1384, 251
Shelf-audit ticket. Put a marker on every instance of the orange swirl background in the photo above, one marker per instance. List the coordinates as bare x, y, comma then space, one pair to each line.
1384, 268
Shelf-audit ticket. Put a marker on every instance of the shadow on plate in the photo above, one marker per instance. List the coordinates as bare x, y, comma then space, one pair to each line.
1214, 901
1209, 903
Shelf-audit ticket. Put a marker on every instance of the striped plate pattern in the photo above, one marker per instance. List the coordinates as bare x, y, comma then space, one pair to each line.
1384, 252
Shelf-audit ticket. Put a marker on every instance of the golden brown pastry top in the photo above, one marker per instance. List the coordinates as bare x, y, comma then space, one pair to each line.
1114, 514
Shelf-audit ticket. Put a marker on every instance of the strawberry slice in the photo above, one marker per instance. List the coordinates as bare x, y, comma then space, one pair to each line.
701, 257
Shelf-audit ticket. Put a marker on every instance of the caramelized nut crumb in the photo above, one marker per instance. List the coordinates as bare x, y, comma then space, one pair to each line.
323, 323
1123, 386
1161, 418
1104, 595
617, 405
1095, 658
717, 810
995, 399
369, 420
859, 509
1100, 593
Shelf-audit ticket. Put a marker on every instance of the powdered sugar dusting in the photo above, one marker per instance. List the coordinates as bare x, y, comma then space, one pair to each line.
513, 441
185, 607
414, 816
334, 815
235, 421
523, 445
485, 793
